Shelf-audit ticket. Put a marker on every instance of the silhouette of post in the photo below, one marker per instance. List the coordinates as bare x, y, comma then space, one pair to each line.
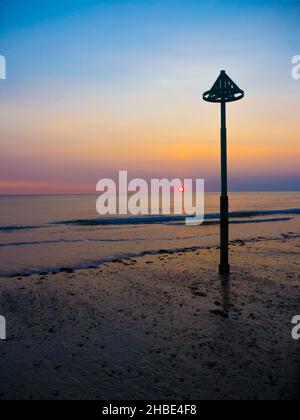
224, 90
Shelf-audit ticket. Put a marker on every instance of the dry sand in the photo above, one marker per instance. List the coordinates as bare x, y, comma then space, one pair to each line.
158, 327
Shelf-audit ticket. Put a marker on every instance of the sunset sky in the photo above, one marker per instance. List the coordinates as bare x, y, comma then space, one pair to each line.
94, 87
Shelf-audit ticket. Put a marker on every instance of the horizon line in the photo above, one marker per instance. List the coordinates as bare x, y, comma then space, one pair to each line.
97, 193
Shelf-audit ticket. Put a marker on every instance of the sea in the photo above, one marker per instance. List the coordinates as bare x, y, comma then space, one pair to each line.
41, 234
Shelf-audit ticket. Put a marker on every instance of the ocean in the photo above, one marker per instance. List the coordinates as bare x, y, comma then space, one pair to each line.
50, 233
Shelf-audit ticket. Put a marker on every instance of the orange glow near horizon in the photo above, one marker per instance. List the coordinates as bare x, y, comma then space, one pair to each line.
149, 131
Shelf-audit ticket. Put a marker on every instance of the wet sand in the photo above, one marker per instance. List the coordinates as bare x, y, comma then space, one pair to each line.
157, 327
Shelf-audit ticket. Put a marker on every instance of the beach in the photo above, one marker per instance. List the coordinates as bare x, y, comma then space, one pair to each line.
163, 326
149, 203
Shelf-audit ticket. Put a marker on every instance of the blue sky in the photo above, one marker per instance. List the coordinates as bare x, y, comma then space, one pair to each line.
138, 64
41, 33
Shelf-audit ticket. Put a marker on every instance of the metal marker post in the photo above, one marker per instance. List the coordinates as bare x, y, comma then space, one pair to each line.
224, 90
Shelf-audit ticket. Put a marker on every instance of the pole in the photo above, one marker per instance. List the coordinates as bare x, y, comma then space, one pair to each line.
224, 90
224, 267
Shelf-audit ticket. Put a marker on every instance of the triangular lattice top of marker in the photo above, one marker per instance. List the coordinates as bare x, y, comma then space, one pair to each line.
224, 89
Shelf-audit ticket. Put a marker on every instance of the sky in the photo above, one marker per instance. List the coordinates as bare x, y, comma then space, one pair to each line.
94, 87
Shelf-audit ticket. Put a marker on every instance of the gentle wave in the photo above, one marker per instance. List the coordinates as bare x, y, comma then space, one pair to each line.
159, 219
121, 258
171, 219
17, 228
72, 241
75, 241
